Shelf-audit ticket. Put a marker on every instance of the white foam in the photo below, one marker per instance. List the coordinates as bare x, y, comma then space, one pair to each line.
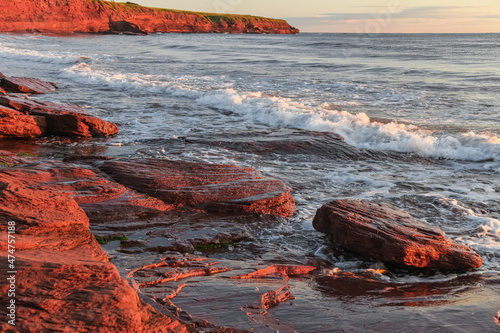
357, 129
487, 239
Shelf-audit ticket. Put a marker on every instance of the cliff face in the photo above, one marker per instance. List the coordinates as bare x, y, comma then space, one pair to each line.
98, 16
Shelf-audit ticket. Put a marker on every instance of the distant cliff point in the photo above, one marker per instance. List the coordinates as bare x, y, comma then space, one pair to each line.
99, 16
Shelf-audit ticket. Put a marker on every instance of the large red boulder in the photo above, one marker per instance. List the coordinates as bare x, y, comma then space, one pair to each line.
63, 280
26, 85
391, 235
216, 188
62, 119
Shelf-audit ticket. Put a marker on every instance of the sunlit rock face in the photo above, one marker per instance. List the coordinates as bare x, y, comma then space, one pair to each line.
391, 235
88, 16
54, 119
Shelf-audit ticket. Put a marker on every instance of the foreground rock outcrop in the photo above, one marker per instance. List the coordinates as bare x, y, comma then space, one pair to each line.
64, 281
53, 241
98, 16
391, 235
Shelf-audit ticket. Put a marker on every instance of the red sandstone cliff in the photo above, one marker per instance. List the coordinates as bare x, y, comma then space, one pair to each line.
98, 16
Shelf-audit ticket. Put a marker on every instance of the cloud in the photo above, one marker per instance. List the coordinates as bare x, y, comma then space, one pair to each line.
431, 12
405, 19
421, 12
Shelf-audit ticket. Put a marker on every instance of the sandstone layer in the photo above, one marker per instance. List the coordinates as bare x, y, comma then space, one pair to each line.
215, 188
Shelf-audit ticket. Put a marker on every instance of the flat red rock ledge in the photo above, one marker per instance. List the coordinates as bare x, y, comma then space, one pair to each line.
64, 281
216, 188
13, 84
391, 236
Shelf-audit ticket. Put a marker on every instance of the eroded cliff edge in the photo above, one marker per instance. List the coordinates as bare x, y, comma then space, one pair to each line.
99, 16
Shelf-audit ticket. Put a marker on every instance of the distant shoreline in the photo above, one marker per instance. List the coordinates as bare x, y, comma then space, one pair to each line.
106, 17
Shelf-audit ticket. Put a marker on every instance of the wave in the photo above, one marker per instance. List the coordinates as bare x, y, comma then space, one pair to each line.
357, 129
7, 52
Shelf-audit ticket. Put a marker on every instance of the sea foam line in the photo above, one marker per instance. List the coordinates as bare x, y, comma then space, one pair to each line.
7, 52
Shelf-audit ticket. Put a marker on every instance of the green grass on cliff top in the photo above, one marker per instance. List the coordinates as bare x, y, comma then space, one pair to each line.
212, 17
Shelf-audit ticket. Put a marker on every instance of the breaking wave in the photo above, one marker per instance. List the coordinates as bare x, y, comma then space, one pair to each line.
357, 129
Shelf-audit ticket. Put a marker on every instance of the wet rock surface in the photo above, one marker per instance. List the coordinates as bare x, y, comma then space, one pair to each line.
216, 188
46, 200
9, 159
391, 235
292, 141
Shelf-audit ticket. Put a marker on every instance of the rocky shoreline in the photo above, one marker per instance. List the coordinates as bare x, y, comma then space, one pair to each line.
179, 209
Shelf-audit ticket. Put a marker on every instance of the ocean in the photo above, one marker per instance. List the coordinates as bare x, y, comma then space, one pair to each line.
430, 101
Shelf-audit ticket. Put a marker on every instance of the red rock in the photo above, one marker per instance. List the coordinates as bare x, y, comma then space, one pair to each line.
26, 85
101, 199
64, 281
277, 270
45, 219
217, 188
391, 235
2, 92
273, 298
64, 16
62, 119
15, 124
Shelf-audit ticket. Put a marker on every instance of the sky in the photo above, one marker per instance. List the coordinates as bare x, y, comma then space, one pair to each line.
361, 16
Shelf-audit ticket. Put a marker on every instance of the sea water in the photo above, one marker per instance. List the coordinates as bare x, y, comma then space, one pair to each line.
436, 96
